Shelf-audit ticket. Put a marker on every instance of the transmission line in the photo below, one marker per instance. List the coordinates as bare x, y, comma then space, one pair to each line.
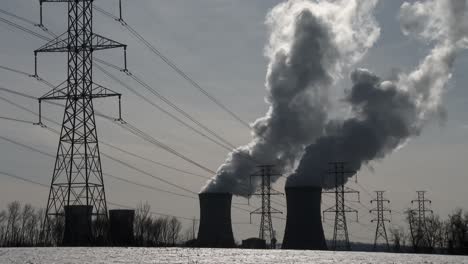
103, 143
16, 120
168, 102
15, 25
108, 156
172, 65
180, 121
46, 30
141, 135
109, 175
112, 203
118, 178
138, 94
155, 162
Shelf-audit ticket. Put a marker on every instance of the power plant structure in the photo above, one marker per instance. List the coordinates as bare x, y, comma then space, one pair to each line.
121, 227
77, 188
304, 228
77, 219
215, 229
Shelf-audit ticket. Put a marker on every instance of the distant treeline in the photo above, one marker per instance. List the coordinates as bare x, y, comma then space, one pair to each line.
432, 234
21, 226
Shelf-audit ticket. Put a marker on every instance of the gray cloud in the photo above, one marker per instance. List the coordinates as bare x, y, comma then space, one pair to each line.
310, 44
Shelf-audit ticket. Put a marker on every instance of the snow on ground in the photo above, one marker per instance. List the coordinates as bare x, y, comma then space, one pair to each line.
208, 256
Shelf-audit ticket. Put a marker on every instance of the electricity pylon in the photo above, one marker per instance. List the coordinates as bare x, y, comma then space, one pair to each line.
266, 191
380, 231
77, 177
340, 230
418, 221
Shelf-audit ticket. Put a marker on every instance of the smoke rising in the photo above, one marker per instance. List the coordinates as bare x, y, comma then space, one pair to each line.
311, 43
388, 113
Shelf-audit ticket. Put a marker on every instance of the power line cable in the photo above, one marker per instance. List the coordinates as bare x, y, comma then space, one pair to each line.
16, 120
140, 134
46, 30
106, 155
144, 98
109, 202
171, 104
176, 68
102, 142
15, 25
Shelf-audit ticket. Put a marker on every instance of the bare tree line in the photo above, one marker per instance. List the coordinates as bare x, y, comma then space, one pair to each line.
21, 226
155, 231
432, 234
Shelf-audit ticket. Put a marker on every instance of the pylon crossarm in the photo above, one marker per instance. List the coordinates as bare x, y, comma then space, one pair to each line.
62, 44
275, 211
256, 211
61, 92
331, 209
58, 93
275, 192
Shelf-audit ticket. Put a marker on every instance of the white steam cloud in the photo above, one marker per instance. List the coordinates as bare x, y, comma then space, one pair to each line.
388, 113
311, 43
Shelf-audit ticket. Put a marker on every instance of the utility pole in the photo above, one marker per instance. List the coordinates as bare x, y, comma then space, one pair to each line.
266, 191
380, 231
77, 178
340, 230
418, 221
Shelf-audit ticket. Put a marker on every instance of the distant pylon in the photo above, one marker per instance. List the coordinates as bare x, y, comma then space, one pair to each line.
380, 231
418, 221
340, 230
77, 180
266, 225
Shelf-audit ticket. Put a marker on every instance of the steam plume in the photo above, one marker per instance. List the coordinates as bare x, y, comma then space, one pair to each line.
389, 113
311, 42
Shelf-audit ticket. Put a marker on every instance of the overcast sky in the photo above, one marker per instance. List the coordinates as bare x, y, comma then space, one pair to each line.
220, 44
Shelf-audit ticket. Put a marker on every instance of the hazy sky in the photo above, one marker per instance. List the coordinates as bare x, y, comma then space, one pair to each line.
220, 44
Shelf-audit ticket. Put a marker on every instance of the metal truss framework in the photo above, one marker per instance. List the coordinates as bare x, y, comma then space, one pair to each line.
340, 230
77, 178
266, 172
380, 231
418, 221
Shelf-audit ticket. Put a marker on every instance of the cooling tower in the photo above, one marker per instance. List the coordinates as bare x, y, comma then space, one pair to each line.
304, 224
77, 225
215, 228
121, 227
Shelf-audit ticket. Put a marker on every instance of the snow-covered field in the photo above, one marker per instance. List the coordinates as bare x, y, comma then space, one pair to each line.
211, 256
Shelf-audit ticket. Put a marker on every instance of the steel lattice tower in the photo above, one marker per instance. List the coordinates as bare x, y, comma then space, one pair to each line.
77, 178
340, 230
266, 191
380, 231
418, 223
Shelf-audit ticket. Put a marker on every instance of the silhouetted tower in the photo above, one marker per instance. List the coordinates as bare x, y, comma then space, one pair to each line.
266, 191
418, 221
380, 210
340, 230
77, 178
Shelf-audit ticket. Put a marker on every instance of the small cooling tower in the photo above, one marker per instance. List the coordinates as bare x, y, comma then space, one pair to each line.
121, 227
304, 223
77, 225
215, 228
